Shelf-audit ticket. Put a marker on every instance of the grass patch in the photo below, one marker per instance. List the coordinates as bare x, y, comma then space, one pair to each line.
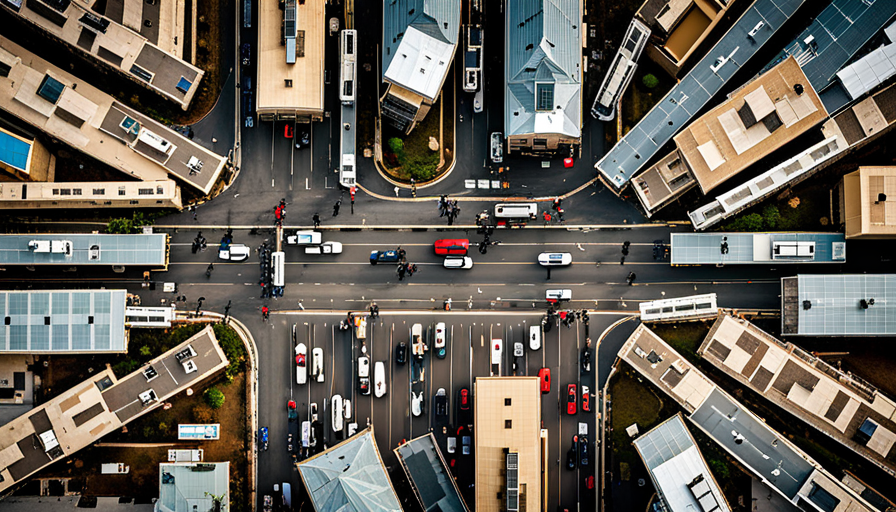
632, 402
685, 337
804, 209
638, 99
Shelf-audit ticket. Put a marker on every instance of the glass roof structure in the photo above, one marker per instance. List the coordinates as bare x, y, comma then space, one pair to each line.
349, 476
14, 151
86, 249
425, 467
753, 248
63, 321
843, 305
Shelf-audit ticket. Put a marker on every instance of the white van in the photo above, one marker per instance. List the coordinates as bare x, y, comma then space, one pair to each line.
379, 379
535, 337
527, 211
278, 263
497, 350
558, 295
336, 412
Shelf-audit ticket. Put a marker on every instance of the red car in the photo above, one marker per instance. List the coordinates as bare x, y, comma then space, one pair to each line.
589, 482
571, 398
545, 375
455, 247
464, 399
586, 399
287, 131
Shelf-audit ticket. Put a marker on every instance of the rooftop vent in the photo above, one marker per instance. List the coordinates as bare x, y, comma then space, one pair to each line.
881, 198
798, 89
807, 305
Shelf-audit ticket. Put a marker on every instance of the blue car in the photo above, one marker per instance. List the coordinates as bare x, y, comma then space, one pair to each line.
263, 438
383, 257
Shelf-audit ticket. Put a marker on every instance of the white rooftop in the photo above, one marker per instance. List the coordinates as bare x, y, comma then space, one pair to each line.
420, 63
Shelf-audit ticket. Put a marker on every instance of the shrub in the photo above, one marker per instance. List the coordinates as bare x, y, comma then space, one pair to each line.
720, 469
122, 368
233, 348
650, 81
771, 216
145, 351
749, 223
214, 398
203, 414
396, 145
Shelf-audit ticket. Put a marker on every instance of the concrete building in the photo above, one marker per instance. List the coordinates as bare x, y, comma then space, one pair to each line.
189, 487
678, 27
78, 417
507, 416
840, 405
838, 305
25, 158
621, 71
93, 122
429, 475
867, 200
420, 38
290, 49
145, 251
146, 49
543, 77
349, 476
680, 475
756, 120
94, 194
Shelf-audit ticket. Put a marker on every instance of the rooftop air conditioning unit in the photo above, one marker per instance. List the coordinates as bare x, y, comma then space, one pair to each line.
756, 29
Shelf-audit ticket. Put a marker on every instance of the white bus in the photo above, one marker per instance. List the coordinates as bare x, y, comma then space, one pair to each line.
523, 211
149, 317
278, 262
677, 309
347, 70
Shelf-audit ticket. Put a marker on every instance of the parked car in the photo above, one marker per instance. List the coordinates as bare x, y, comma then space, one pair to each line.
317, 364
234, 252
458, 262
324, 248
583, 450
454, 247
347, 408
571, 399
441, 402
363, 366
313, 412
535, 337
463, 399
304, 139
558, 295
452, 444
554, 259
401, 353
518, 350
336, 413
586, 359
390, 256
589, 482
301, 364
379, 379
440, 340
545, 375
467, 442
304, 238
418, 346
497, 147
586, 399
263, 438
416, 403
497, 348
291, 413
364, 385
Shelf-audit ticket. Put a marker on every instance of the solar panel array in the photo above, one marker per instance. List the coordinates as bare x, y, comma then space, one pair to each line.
836, 305
706, 248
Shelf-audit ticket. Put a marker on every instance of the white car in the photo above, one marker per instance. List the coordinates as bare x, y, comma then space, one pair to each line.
417, 403
440, 340
418, 346
379, 378
461, 262
301, 364
558, 295
497, 349
325, 248
235, 252
347, 404
518, 349
304, 238
336, 413
534, 337
554, 259
317, 364
313, 412
363, 366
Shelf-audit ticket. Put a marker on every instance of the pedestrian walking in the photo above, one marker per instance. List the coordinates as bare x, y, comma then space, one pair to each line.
413, 187
455, 209
556, 205
351, 192
396, 191
631, 278
316, 220
208, 271
401, 271
264, 313
193, 211
547, 218
401, 253
336, 207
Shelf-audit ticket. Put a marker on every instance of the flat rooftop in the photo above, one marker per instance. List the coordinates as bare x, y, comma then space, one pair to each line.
678, 469
507, 415
291, 89
94, 123
751, 248
425, 467
102, 404
832, 305
90, 194
695, 90
834, 402
186, 485
110, 43
756, 120
63, 321
869, 202
86, 249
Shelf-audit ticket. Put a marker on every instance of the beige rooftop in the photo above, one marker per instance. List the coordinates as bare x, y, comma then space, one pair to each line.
756, 120
497, 401
291, 90
868, 202
94, 123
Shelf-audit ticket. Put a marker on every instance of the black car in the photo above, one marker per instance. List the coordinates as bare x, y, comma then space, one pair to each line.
303, 140
586, 360
401, 353
441, 403
571, 458
583, 450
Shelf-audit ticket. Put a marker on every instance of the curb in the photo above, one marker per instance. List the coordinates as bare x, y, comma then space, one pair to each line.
426, 227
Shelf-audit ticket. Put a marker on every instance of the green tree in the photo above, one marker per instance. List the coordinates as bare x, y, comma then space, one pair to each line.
748, 223
214, 398
396, 145
771, 217
125, 226
233, 348
720, 469
650, 81
145, 351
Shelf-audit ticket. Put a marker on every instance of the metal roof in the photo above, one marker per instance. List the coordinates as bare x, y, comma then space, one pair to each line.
14, 150
695, 90
544, 47
349, 476
837, 33
182, 487
836, 308
747, 248
432, 480
870, 71
63, 321
87, 249
674, 462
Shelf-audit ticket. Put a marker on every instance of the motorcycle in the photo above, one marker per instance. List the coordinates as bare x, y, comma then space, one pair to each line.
264, 438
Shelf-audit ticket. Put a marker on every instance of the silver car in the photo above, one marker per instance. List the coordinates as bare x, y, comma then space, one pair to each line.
554, 259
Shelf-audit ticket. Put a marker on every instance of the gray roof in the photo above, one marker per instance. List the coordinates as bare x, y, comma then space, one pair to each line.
839, 31
80, 321
544, 45
762, 449
835, 305
433, 482
695, 90
439, 19
747, 248
144, 250
181, 486
349, 477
